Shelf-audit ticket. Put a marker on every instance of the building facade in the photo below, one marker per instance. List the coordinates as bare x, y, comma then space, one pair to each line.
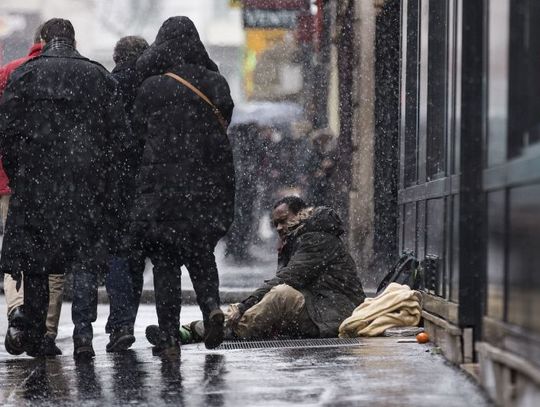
439, 134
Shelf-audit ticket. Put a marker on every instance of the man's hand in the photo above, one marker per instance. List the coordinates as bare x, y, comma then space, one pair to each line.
234, 314
234, 317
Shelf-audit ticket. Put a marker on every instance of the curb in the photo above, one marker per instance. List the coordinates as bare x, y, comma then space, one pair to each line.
228, 296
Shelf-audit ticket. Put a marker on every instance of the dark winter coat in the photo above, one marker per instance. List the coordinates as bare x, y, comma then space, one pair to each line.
128, 83
64, 138
316, 262
186, 178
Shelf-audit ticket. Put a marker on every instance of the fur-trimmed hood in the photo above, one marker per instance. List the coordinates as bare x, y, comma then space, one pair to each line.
317, 219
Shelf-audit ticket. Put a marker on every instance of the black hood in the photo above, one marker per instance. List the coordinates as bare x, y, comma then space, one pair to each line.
322, 219
177, 43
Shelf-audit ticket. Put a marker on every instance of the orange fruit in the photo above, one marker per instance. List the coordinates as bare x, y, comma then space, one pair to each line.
422, 337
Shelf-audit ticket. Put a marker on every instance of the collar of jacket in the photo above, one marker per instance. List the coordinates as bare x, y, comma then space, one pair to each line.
35, 50
60, 47
123, 66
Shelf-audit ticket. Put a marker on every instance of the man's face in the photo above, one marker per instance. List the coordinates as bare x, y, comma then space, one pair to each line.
281, 217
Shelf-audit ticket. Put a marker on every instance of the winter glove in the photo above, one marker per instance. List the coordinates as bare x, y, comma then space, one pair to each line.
17, 276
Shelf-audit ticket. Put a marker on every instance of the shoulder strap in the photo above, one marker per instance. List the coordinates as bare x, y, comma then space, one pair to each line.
223, 123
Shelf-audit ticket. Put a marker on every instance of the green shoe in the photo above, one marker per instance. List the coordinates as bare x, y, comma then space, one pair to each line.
189, 333
185, 335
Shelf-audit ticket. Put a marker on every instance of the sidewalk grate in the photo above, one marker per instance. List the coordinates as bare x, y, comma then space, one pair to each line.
291, 343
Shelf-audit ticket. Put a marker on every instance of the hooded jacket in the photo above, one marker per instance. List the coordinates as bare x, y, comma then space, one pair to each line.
186, 181
316, 262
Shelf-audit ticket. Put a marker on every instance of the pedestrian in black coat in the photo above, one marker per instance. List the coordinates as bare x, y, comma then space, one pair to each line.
244, 138
185, 186
124, 283
126, 52
64, 140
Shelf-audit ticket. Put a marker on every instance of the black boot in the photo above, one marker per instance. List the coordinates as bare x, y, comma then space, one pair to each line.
197, 331
120, 339
188, 334
152, 334
213, 329
15, 335
167, 347
35, 346
50, 346
83, 349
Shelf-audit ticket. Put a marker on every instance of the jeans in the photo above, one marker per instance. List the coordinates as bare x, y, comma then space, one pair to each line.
124, 284
84, 307
120, 291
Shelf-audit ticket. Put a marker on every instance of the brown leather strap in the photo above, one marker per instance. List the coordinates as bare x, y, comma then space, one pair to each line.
223, 123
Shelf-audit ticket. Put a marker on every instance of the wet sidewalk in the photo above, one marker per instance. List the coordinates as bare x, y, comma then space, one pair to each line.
373, 372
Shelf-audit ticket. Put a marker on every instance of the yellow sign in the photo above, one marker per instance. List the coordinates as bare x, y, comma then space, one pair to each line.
258, 41
235, 3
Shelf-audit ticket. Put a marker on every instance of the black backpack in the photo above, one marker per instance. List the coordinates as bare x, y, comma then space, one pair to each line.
405, 271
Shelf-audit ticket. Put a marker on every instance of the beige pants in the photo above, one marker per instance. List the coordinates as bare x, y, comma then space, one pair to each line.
4, 205
281, 312
15, 299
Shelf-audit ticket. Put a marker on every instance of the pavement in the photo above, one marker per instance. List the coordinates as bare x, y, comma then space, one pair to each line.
374, 372
393, 371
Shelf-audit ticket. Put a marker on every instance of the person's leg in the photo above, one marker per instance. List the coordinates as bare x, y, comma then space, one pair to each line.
14, 341
248, 221
121, 315
281, 312
84, 309
119, 289
201, 264
168, 293
14, 298
240, 233
56, 291
137, 266
36, 300
4, 206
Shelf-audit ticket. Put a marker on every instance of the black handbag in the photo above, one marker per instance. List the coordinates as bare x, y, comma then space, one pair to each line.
405, 271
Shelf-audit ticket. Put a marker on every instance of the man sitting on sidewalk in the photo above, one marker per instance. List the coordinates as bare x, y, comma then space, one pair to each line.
315, 288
